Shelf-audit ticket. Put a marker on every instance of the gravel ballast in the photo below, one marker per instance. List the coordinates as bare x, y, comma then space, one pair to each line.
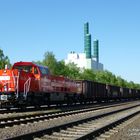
129, 130
6, 133
17, 130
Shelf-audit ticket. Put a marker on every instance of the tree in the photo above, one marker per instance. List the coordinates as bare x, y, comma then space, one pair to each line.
72, 71
88, 75
3, 60
131, 84
62, 69
50, 61
38, 62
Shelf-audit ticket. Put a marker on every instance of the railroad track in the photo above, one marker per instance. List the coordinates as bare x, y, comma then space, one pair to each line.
4, 112
12, 119
90, 128
45, 107
36, 127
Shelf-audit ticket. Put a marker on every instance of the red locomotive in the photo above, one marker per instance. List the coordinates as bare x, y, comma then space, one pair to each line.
32, 84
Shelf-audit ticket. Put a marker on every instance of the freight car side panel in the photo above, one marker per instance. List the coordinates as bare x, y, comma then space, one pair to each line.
84, 88
89, 92
126, 93
138, 93
135, 93
99, 90
113, 92
92, 90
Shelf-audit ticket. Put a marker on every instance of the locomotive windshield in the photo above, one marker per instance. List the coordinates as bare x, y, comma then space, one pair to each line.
24, 68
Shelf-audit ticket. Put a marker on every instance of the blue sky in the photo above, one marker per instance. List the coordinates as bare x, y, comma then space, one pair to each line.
29, 28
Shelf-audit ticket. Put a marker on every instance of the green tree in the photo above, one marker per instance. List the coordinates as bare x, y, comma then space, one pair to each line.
72, 71
61, 69
3, 60
38, 62
50, 61
88, 75
131, 84
121, 82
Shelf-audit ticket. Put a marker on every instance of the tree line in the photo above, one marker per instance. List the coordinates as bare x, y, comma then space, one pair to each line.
72, 71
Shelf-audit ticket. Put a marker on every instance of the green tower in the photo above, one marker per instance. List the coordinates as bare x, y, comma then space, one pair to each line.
88, 46
96, 50
86, 31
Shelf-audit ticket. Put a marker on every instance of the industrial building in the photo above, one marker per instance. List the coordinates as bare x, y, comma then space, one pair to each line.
86, 60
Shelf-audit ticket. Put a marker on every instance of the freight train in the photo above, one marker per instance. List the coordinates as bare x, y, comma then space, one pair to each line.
27, 83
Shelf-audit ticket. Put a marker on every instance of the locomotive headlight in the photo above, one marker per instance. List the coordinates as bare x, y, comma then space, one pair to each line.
5, 88
9, 89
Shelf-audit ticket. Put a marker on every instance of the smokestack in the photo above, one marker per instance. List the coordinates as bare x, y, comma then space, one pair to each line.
96, 50
88, 46
86, 31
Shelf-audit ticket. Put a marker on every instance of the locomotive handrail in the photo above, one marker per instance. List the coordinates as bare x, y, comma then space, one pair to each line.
27, 87
16, 83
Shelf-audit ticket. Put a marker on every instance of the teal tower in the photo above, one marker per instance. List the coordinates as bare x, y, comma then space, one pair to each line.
87, 41
96, 50
86, 31
88, 46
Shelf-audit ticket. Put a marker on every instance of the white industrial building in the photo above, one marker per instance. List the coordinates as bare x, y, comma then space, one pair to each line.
86, 60
82, 62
